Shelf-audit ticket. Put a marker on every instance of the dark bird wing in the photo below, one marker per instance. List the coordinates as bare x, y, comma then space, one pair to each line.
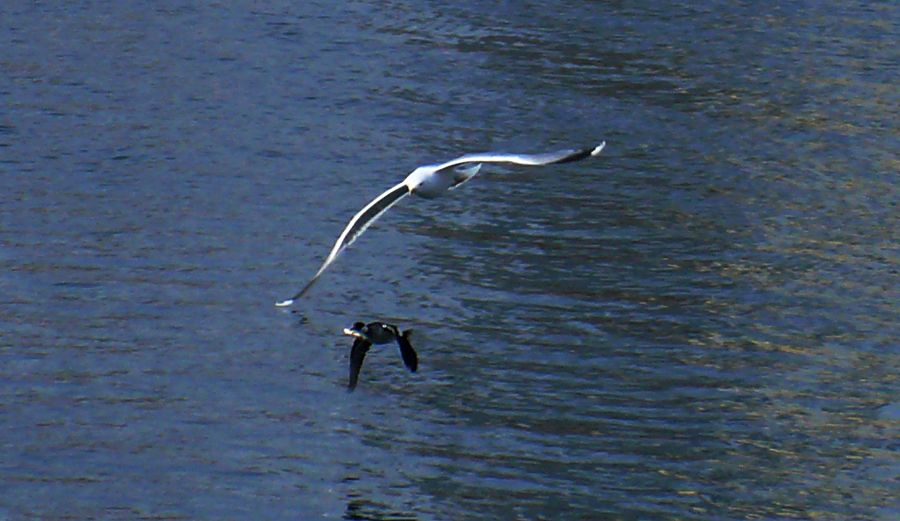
357, 355
410, 358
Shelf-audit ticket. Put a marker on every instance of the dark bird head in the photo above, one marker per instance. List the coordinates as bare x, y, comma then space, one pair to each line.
358, 330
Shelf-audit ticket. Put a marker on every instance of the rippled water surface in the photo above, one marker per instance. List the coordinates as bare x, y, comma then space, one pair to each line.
702, 323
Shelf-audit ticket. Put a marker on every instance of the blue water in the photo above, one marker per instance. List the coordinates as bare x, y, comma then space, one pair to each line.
699, 324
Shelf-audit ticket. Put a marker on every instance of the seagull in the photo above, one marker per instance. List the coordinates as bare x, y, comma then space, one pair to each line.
377, 333
431, 181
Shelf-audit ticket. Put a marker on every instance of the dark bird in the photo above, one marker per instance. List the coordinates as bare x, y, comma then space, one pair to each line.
377, 333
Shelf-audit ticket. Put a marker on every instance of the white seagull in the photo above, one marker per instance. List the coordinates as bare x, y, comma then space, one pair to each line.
430, 181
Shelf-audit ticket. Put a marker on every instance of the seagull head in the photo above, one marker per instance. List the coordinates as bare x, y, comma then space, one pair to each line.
416, 178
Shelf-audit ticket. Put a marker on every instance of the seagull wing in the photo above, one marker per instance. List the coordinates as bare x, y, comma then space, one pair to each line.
357, 355
548, 158
410, 358
354, 229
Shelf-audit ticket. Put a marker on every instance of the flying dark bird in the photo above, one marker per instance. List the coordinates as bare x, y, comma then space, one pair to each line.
377, 333
430, 181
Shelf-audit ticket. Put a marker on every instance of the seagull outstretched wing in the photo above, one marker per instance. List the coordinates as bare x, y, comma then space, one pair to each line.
357, 225
548, 158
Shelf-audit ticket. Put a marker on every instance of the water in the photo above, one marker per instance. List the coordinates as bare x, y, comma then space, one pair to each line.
700, 324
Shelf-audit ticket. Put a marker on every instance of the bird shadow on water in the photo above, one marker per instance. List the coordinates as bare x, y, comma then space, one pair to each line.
362, 509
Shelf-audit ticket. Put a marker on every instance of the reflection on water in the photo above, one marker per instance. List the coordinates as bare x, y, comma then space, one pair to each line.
699, 324
361, 510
